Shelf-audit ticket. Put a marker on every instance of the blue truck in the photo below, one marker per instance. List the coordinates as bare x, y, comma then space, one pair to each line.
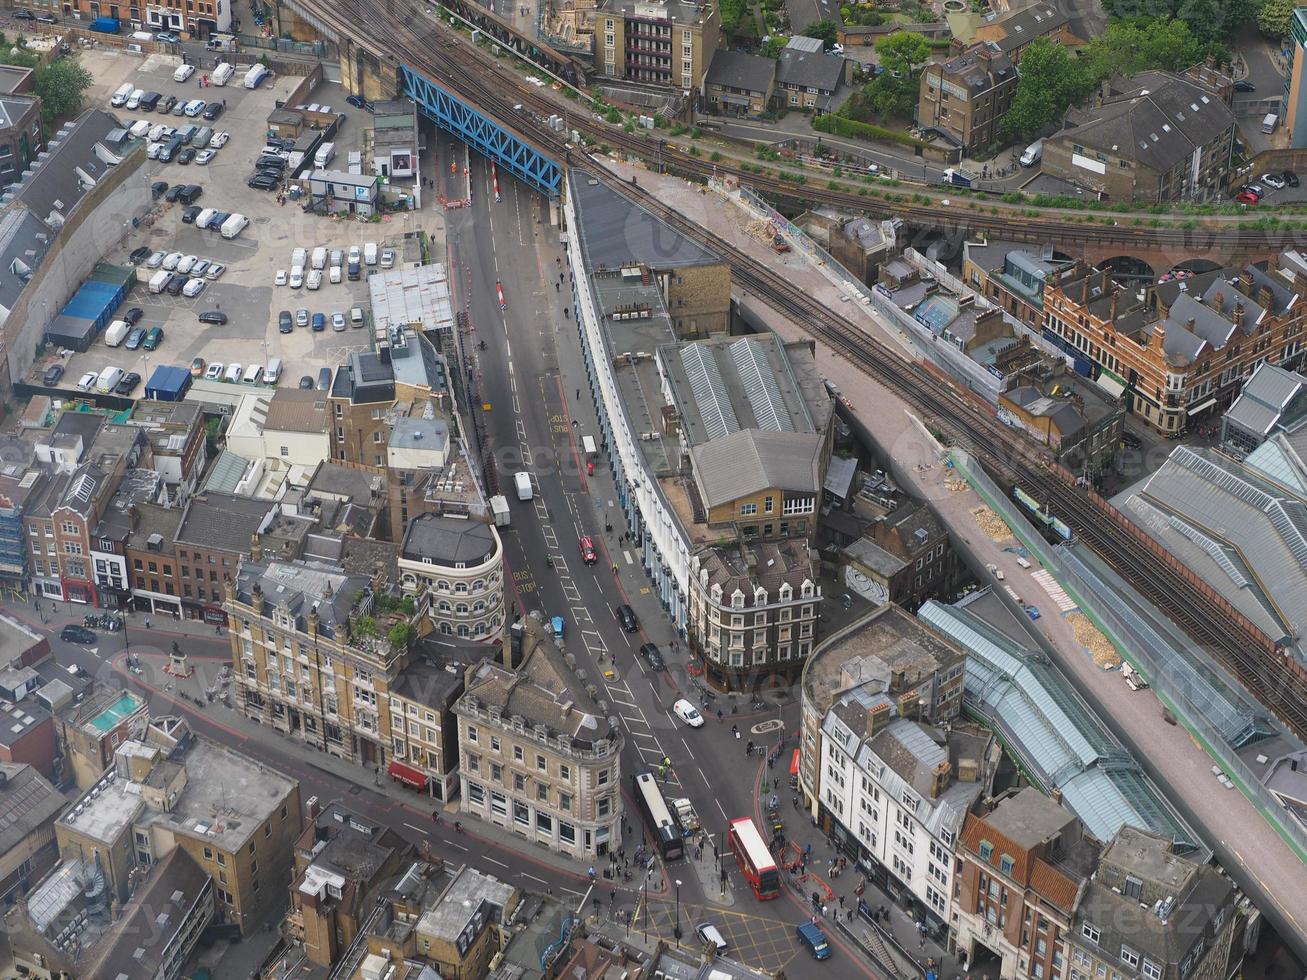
106, 25
814, 939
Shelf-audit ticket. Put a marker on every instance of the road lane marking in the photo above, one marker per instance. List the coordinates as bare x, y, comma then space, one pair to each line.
420, 830
493, 861
532, 877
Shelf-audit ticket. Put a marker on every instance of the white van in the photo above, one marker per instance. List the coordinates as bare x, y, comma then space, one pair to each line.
298, 257
319, 260
255, 76
234, 225
204, 217
116, 333
134, 100
356, 315
273, 374
183, 72
335, 275
233, 373
253, 374
159, 280
121, 94
140, 128
370, 253
314, 281
1269, 123
522, 481
108, 379
1033, 153
222, 74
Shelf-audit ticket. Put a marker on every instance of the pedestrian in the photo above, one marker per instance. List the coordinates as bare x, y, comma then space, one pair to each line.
841, 901
807, 849
557, 288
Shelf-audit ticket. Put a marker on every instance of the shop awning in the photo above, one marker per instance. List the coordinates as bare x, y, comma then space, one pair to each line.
794, 764
1110, 385
1201, 406
407, 774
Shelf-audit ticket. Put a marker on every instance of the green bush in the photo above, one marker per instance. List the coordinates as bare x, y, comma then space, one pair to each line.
840, 126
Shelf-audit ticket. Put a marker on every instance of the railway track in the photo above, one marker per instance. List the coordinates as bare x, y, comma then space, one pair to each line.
1233, 641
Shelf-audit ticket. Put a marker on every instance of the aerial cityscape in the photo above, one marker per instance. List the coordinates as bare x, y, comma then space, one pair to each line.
653, 490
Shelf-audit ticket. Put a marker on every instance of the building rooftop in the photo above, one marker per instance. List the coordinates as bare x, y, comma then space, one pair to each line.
138, 946
16, 639
890, 648
17, 720
1020, 27
450, 541
616, 233
344, 482
1055, 735
296, 410
27, 803
805, 69
420, 434
225, 799
223, 521
1156, 118
346, 846
677, 11
759, 564
1266, 397
740, 70
463, 901
366, 378
980, 67
301, 587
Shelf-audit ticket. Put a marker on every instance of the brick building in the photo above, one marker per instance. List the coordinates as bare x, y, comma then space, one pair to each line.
669, 44
966, 97
1020, 871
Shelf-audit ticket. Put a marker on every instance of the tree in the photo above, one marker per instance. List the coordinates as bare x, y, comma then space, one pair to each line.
1050, 81
902, 52
827, 30
886, 95
1209, 20
1131, 46
62, 84
1273, 17
773, 46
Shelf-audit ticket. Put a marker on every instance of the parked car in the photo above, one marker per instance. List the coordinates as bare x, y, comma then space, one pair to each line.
76, 634
1272, 180
301, 317
1243, 85
139, 255
199, 268
197, 367
213, 110
155, 260
1130, 440
175, 284
193, 287
153, 339
387, 258
652, 657
47, 19
710, 934
261, 182
170, 261
203, 157
284, 324
21, 14
133, 316
134, 338
219, 139
128, 384
174, 192
216, 269
168, 37
186, 155
87, 381
324, 378
357, 101
306, 383
1246, 197
191, 193
338, 321
186, 263
167, 103
193, 108
52, 375
626, 616
179, 108
585, 544
1290, 178
319, 322
213, 372
280, 278
216, 317
189, 214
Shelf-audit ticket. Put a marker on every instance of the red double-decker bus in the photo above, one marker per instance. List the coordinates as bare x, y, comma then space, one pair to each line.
756, 863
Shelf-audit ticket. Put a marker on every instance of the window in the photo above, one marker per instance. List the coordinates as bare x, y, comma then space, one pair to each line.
986, 849
748, 510
564, 772
566, 833
1005, 864
544, 823
1129, 957
476, 793
541, 764
565, 801
1090, 932
471, 733
1151, 970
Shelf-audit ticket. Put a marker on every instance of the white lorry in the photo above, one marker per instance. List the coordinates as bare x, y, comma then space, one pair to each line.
522, 480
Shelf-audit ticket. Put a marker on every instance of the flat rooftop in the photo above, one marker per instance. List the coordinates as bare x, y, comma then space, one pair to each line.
460, 901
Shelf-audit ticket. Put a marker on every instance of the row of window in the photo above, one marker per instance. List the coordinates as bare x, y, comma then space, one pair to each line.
522, 816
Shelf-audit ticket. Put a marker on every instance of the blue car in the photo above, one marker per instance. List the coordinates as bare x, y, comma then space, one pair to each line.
319, 322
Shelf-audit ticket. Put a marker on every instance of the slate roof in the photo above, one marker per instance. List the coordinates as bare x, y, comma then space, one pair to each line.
27, 803
296, 410
1156, 118
71, 170
980, 67
751, 460
804, 13
12, 109
1265, 397
302, 586
222, 521
1064, 414
448, 540
809, 69
1023, 26
738, 69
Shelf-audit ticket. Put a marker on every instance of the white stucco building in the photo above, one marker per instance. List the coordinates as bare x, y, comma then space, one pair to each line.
460, 562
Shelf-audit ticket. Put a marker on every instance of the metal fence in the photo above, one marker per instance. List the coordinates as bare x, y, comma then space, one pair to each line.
1193, 686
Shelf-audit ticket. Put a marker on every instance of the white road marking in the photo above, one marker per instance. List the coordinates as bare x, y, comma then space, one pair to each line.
493, 861
459, 846
627, 555
532, 877
420, 830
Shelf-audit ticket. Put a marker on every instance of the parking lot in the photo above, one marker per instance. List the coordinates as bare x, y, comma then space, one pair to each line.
245, 292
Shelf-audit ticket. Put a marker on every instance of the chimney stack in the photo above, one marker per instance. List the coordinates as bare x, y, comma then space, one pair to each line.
1238, 314
1116, 298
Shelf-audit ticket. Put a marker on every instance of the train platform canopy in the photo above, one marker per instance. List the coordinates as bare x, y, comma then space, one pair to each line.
1056, 736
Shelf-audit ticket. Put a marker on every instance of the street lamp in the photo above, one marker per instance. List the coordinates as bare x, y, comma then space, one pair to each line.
676, 930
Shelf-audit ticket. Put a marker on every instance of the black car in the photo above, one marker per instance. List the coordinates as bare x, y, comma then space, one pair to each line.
175, 284
186, 155
166, 103
133, 316
1130, 440
1243, 85
284, 322
306, 383
139, 255
1290, 178
191, 193
274, 172
24, 15
213, 110
214, 316
626, 616
652, 657
357, 101
158, 189
174, 192
52, 375
76, 634
324, 379
47, 19
269, 159
261, 182
128, 384
190, 213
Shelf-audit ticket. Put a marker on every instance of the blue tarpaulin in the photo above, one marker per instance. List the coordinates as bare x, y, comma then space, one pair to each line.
168, 383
